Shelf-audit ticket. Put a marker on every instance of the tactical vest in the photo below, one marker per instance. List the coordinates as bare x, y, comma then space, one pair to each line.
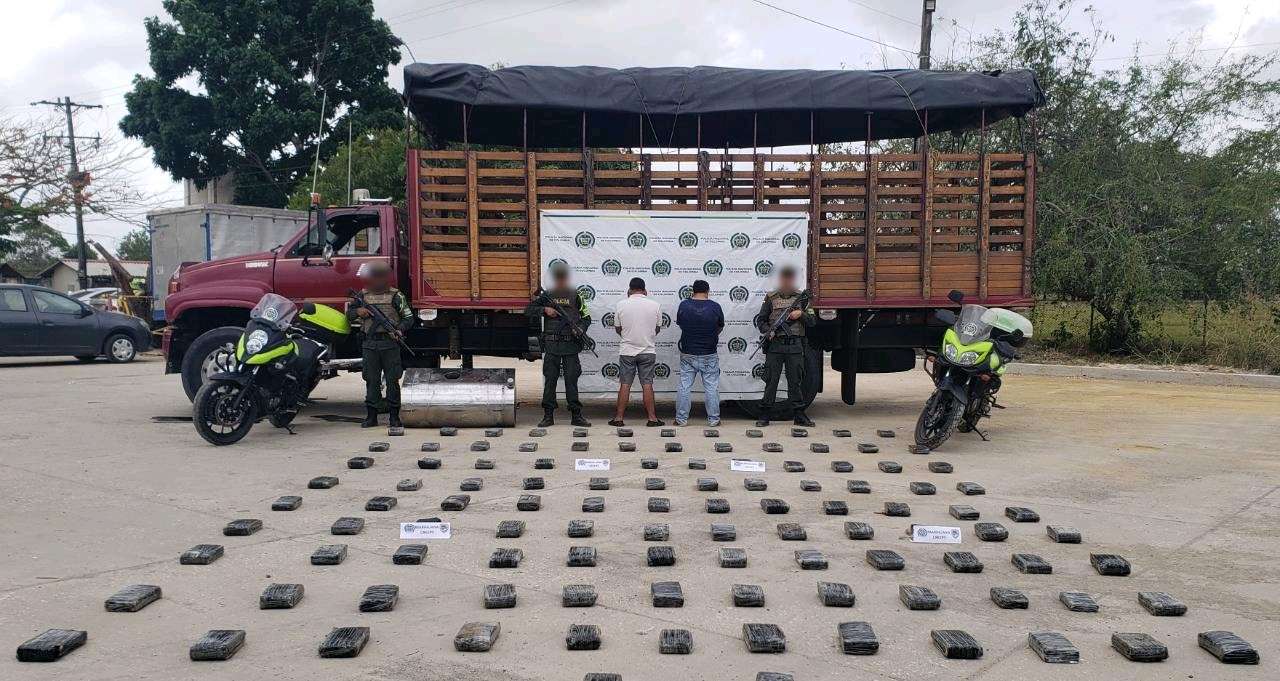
386, 303
778, 303
559, 328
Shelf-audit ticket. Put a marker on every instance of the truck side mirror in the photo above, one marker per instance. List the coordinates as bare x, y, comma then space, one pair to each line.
956, 296
319, 227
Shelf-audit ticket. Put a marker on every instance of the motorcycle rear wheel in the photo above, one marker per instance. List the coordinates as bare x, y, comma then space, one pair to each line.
938, 420
214, 415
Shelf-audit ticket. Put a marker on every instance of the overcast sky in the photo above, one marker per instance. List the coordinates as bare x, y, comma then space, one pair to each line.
91, 49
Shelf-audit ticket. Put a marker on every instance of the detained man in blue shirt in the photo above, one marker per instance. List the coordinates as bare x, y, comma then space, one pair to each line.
700, 320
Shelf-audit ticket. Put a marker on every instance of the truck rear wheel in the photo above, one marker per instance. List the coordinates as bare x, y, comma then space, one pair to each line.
213, 351
812, 386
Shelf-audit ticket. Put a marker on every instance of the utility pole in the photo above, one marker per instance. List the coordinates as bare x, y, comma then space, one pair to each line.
926, 31
77, 179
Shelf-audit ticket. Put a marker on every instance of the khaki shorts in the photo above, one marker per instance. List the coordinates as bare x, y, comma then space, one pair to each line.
643, 364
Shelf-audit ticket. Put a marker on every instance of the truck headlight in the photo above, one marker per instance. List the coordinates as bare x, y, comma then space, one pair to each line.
826, 315
256, 341
427, 314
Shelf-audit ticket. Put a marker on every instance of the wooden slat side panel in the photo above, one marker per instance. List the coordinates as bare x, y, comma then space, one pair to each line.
964, 220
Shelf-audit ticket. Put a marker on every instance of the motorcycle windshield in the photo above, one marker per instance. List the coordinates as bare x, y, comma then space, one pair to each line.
275, 309
970, 326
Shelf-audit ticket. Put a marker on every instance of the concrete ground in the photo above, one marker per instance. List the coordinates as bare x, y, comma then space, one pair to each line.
95, 495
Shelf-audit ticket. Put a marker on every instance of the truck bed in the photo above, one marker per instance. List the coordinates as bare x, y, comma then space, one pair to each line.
938, 221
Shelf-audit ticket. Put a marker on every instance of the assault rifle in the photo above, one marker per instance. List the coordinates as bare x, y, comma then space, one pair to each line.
781, 325
576, 331
380, 320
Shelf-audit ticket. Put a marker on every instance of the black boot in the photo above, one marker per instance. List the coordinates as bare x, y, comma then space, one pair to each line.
579, 421
370, 418
802, 420
548, 419
394, 420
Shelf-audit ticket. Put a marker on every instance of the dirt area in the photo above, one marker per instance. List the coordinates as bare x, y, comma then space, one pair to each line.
96, 495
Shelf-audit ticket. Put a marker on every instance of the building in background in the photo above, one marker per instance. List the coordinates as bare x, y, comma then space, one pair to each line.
63, 276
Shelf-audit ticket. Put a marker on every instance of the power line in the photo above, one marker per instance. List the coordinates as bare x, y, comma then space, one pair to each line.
909, 22
492, 21
77, 179
837, 28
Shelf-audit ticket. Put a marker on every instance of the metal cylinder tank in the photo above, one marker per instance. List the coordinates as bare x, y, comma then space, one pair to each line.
466, 398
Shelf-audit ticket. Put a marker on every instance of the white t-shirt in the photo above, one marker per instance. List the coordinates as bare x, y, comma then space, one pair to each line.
638, 317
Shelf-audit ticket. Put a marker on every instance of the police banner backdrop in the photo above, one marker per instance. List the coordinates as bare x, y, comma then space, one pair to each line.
738, 253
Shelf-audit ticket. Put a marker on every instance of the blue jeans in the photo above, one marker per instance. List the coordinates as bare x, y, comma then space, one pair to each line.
690, 367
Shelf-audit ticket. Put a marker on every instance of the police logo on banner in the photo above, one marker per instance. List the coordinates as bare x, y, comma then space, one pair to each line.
713, 268
757, 372
686, 292
609, 370
739, 294
611, 268
791, 241
666, 320
687, 240
737, 345
584, 240
661, 268
587, 293
588, 343
637, 240
764, 268
607, 320
739, 241
661, 370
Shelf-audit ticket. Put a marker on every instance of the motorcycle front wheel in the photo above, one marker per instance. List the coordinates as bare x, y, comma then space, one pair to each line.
217, 418
939, 419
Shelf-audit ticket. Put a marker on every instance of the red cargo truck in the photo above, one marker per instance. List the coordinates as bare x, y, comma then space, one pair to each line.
890, 233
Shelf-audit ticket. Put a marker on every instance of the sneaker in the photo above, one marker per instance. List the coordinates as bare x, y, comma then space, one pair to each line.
617, 423
682, 424
713, 424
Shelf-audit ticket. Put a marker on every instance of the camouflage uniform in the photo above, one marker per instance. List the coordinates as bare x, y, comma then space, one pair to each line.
559, 348
786, 351
379, 350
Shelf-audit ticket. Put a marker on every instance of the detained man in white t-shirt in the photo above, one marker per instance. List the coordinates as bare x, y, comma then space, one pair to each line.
638, 319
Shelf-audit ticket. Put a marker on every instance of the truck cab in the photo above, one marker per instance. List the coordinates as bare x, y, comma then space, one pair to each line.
208, 303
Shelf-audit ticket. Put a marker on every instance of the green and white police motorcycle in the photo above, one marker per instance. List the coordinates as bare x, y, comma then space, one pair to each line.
967, 369
277, 365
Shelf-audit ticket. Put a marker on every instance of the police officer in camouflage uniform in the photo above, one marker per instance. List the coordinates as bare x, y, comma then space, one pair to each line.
785, 348
380, 349
559, 347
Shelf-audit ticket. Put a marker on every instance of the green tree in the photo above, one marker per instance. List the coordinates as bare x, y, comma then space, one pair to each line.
73, 252
136, 245
1159, 179
377, 164
36, 245
263, 71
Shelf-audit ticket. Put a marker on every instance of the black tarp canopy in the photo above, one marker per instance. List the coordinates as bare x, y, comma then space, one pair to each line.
703, 106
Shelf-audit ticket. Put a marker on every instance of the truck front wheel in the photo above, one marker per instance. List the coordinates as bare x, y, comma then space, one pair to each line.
213, 351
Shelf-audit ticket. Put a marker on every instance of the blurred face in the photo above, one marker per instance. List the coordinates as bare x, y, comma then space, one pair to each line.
787, 280
378, 280
561, 279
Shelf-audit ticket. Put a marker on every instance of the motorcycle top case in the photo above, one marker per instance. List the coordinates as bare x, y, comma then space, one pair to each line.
325, 324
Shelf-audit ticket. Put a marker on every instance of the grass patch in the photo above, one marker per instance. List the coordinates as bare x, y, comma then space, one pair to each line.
1243, 336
